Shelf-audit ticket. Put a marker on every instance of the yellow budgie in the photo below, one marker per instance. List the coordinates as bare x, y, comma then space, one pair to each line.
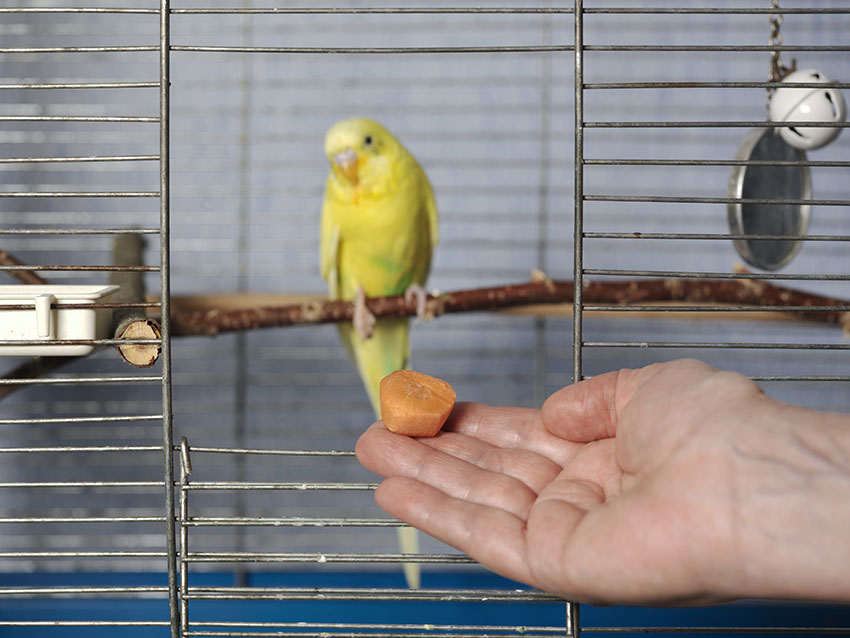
378, 232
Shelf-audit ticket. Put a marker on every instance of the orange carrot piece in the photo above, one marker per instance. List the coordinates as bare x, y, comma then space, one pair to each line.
415, 404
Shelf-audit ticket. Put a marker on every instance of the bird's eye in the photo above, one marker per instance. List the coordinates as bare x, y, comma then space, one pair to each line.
368, 140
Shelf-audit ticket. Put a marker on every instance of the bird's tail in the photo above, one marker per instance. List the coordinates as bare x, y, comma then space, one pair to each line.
408, 541
387, 351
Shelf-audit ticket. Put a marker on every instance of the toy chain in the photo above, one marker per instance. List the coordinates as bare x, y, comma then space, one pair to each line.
775, 61
777, 69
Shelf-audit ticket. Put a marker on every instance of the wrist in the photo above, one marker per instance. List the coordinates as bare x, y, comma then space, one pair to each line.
792, 495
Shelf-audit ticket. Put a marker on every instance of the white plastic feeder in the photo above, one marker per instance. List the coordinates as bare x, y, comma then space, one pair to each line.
44, 323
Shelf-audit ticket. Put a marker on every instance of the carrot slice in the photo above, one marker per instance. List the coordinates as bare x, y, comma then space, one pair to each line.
415, 404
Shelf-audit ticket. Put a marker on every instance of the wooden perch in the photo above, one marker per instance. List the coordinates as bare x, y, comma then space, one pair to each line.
132, 323
735, 292
32, 369
24, 276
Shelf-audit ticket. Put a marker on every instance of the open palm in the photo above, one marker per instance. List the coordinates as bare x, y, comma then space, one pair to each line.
623, 488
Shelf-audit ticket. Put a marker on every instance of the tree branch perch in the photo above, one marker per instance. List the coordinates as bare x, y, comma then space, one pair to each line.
733, 292
24, 276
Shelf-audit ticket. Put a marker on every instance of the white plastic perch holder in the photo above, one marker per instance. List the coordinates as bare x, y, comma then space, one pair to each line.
44, 323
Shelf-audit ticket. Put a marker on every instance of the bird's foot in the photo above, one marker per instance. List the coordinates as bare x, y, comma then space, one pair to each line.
417, 293
363, 319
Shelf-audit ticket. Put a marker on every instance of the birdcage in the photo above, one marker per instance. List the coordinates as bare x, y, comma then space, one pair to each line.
177, 462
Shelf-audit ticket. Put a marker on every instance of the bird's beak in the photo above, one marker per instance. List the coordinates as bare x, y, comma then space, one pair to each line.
346, 162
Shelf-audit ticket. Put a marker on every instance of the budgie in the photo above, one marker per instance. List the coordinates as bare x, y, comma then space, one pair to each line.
378, 233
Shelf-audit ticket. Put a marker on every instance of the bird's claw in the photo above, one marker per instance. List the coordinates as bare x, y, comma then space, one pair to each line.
363, 319
417, 293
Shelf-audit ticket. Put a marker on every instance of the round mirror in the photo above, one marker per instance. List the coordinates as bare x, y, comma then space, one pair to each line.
787, 185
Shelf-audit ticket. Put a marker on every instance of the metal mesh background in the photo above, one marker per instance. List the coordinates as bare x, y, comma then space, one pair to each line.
486, 101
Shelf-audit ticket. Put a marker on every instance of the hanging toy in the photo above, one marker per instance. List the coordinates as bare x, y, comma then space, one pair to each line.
807, 104
770, 188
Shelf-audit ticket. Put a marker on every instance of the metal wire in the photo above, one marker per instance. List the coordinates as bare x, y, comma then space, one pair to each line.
408, 629
678, 274
371, 50
370, 594
376, 11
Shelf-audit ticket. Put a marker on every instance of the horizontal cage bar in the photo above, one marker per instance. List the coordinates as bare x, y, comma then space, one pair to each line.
87, 520
431, 629
375, 11
289, 521
56, 194
84, 623
87, 592
373, 50
80, 342
709, 308
366, 594
77, 554
678, 274
260, 452
79, 231
81, 419
288, 486
73, 380
87, 449
706, 124
79, 484
717, 48
320, 557
104, 49
725, 345
79, 85
94, 158
83, 268
78, 118
730, 162
712, 236
709, 85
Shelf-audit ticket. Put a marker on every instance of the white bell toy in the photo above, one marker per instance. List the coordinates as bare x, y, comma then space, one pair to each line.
810, 104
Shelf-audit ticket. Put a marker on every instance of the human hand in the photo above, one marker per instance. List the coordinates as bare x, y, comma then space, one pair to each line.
675, 483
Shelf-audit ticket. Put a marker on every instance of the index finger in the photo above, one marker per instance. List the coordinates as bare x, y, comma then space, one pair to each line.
589, 410
510, 428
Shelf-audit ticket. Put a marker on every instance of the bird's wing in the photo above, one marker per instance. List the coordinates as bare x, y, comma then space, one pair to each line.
431, 209
329, 249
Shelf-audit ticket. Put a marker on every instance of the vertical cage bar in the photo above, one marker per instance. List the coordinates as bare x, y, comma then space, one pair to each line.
543, 190
572, 612
185, 473
572, 621
165, 299
578, 195
244, 168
